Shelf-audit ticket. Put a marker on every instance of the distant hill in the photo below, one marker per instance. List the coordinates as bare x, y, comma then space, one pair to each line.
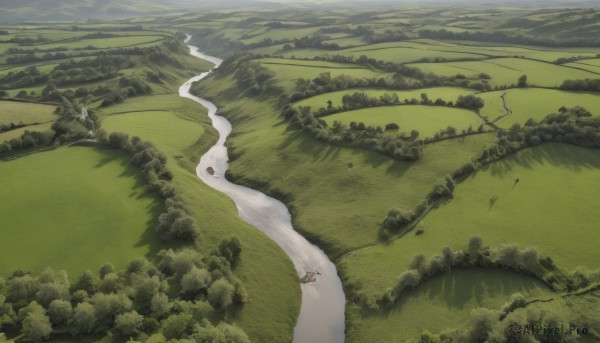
33, 10
54, 10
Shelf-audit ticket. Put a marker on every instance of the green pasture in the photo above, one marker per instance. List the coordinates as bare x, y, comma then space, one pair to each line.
551, 208
287, 34
426, 119
445, 93
591, 65
289, 72
317, 177
26, 113
506, 71
535, 103
442, 303
407, 54
180, 128
74, 208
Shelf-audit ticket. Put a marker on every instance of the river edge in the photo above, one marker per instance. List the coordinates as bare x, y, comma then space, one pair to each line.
321, 316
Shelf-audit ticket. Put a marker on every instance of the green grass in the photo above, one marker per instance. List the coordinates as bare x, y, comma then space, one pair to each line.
445, 93
536, 103
426, 119
551, 208
442, 303
26, 113
591, 65
288, 71
281, 34
409, 54
316, 175
506, 71
74, 208
183, 133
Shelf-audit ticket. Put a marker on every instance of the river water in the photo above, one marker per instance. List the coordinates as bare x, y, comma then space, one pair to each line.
321, 318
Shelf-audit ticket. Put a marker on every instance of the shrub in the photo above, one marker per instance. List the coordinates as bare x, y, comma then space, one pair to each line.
392, 126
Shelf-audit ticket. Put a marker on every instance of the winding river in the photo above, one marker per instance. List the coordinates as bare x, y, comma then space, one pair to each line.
321, 317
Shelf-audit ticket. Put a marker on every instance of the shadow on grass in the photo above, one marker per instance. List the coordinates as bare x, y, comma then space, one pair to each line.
149, 237
464, 289
567, 156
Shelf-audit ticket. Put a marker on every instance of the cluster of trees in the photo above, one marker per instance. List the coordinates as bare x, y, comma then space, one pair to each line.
28, 139
400, 147
470, 102
503, 37
16, 51
590, 85
28, 40
27, 77
75, 76
508, 256
315, 41
32, 57
128, 87
253, 78
175, 299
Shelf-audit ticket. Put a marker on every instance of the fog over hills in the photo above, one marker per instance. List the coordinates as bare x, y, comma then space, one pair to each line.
33, 10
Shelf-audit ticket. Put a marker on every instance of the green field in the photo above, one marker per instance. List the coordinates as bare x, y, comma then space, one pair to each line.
442, 303
74, 208
26, 113
445, 93
426, 119
535, 103
288, 71
591, 65
550, 208
408, 54
506, 71
317, 177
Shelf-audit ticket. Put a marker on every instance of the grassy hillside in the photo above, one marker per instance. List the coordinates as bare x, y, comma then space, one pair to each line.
547, 101
181, 129
550, 201
74, 208
26, 113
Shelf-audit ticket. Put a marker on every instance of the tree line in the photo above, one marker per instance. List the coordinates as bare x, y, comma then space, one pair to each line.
508, 256
358, 100
400, 147
503, 37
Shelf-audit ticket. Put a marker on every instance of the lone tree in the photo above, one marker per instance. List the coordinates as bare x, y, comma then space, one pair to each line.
470, 102
522, 81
